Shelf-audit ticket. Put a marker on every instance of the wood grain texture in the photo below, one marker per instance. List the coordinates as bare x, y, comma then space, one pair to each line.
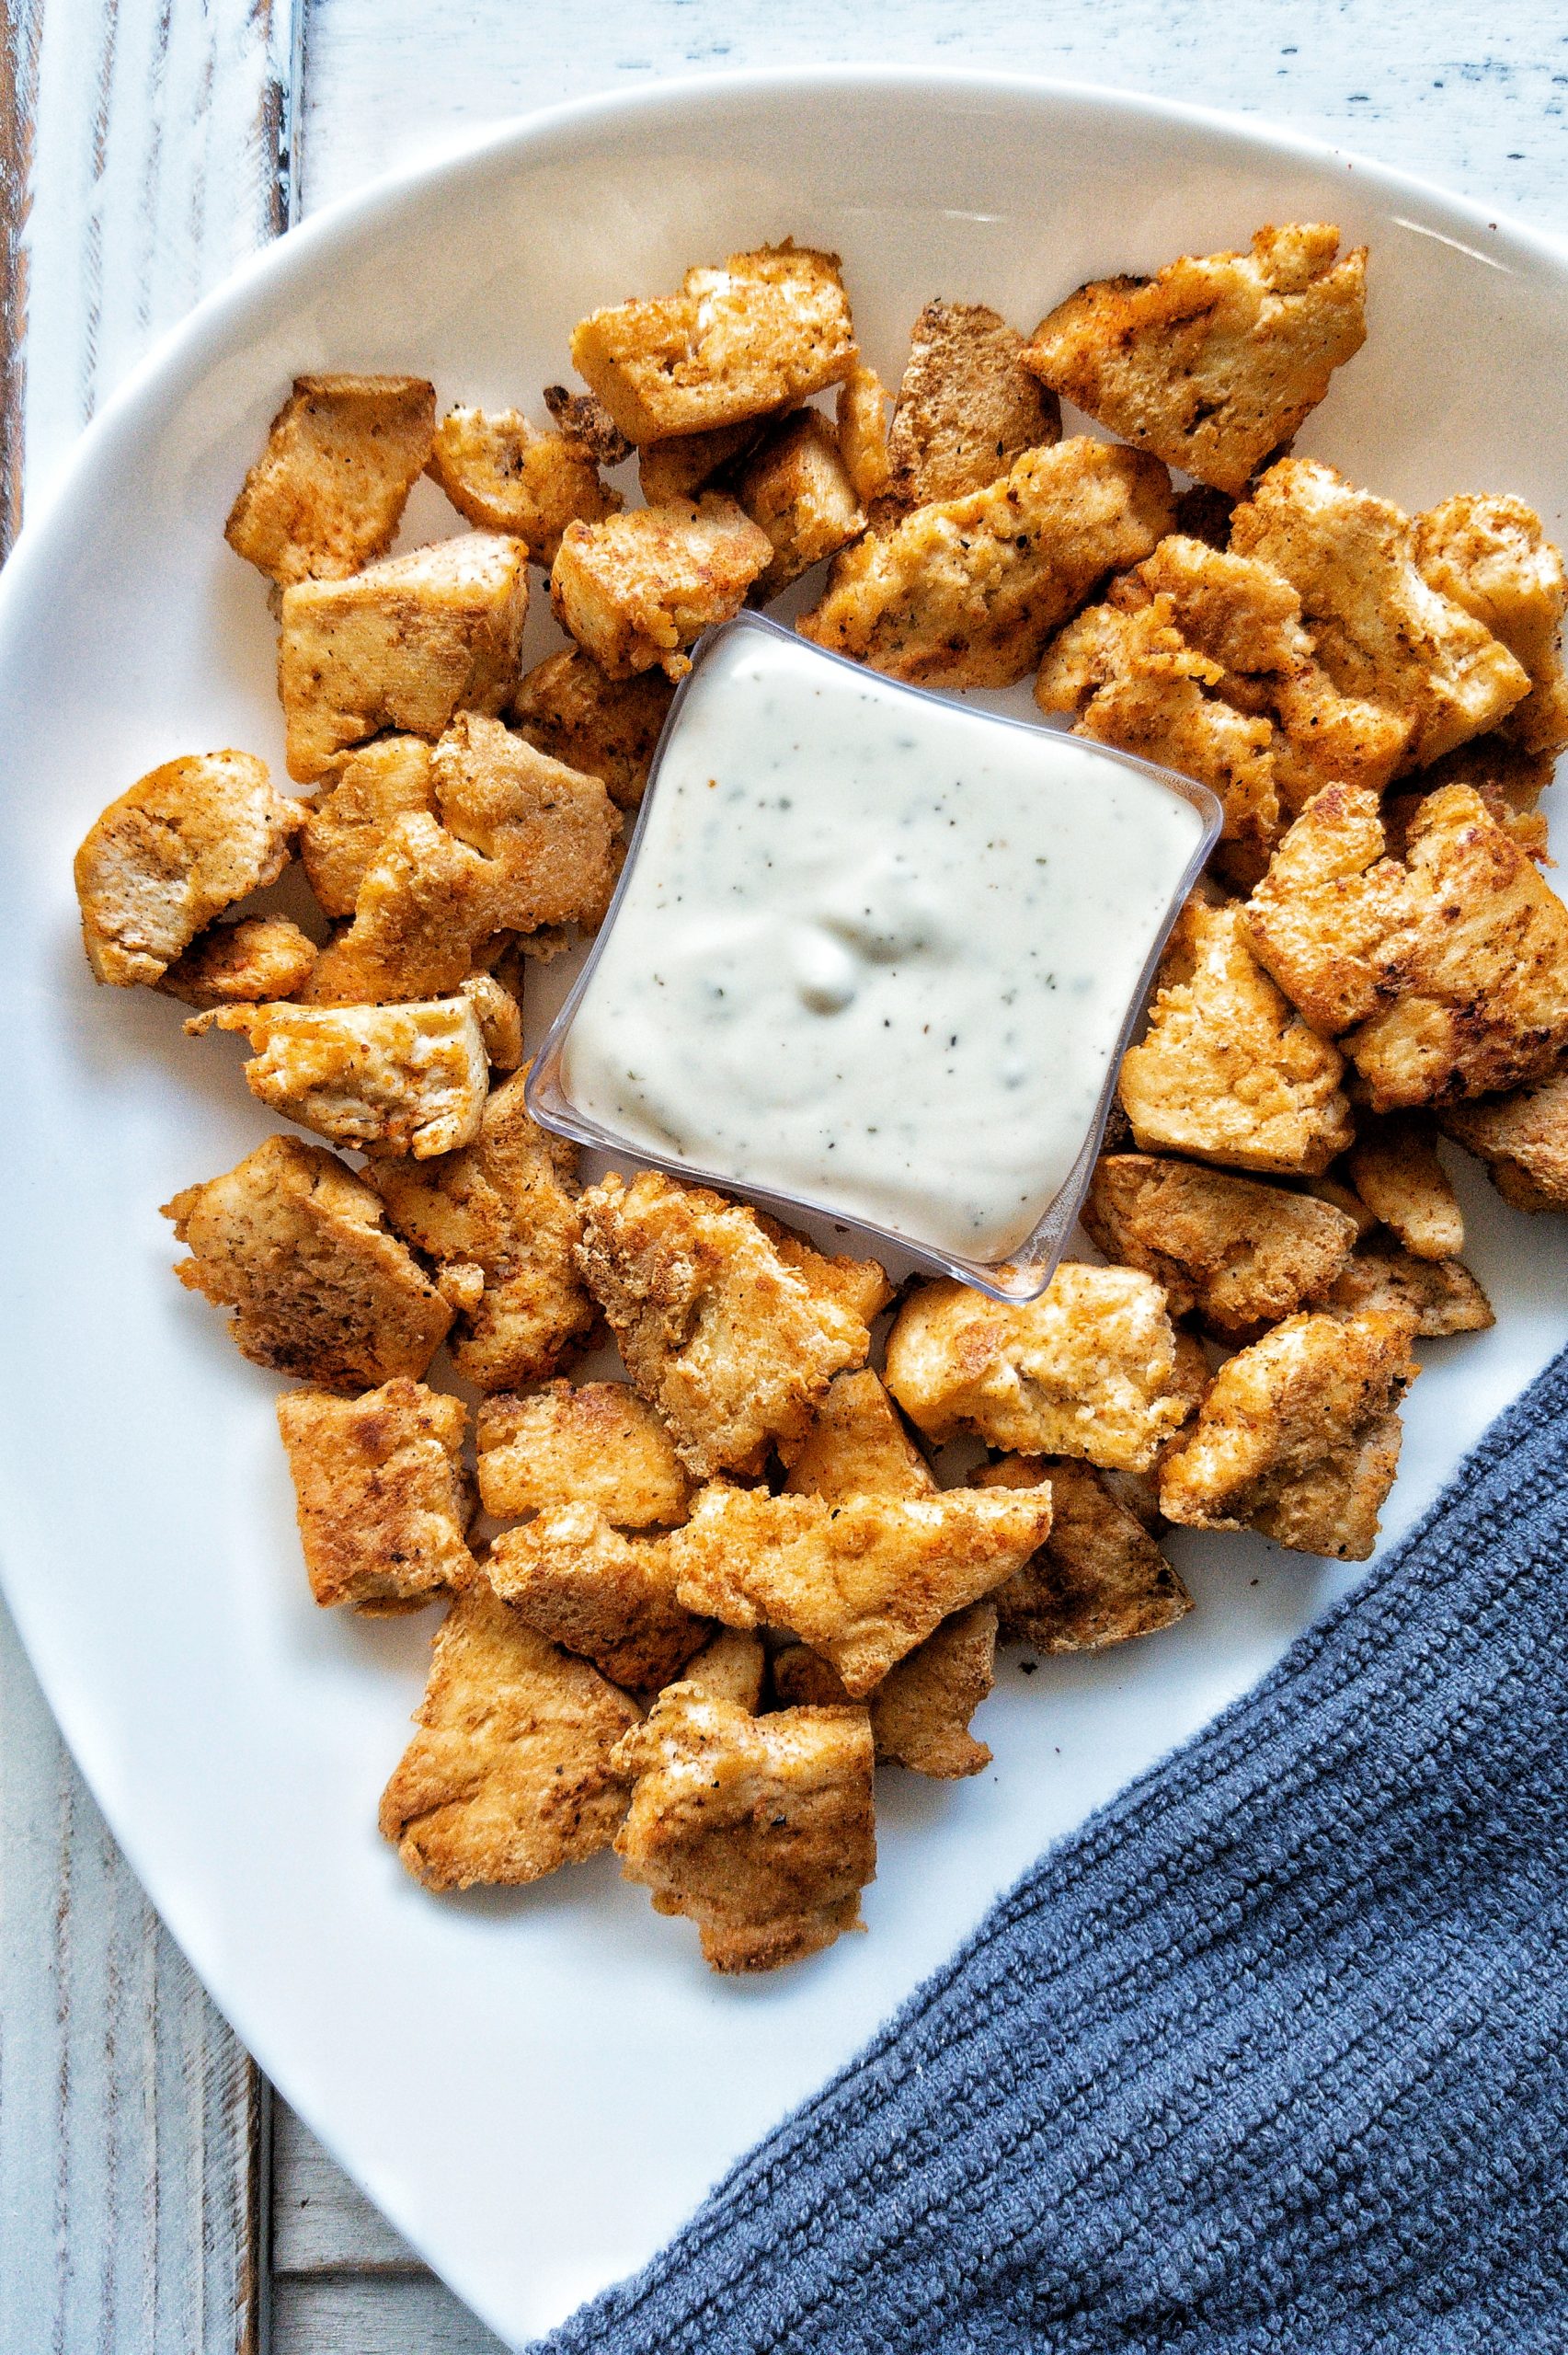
369, 2314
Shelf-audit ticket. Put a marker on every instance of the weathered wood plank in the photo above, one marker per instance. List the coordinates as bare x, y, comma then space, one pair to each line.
321, 2224
369, 2314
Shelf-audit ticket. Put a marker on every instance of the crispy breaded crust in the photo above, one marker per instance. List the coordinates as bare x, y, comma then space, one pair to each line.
606, 728
1089, 1368
588, 421
504, 474
549, 832
732, 1343
387, 1078
1235, 1252
181, 845
1449, 970
1441, 1294
240, 964
921, 1711
1522, 1138
1098, 1579
329, 492
689, 463
612, 1598
510, 1773
499, 1018
764, 331
293, 1243
1298, 1436
1508, 780
1491, 555
638, 589
795, 486
425, 907
762, 1830
860, 415
1228, 1071
406, 644
502, 1221
965, 592
855, 1445
593, 1443
382, 1498
1394, 1168
965, 408
1216, 360
346, 829
862, 1583
731, 1666
1382, 633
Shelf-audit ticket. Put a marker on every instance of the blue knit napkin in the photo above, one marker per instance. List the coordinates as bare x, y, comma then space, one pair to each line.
1272, 2054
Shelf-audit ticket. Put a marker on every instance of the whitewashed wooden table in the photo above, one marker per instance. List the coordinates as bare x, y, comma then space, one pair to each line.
155, 2200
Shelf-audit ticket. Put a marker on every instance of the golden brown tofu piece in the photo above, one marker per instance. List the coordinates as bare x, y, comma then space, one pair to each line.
502, 1220
965, 592
406, 644
1522, 1138
795, 488
730, 1340
1508, 780
241, 963
499, 1018
1394, 1168
1491, 555
862, 1583
1449, 970
1233, 1251
860, 415
425, 909
504, 474
1440, 1294
760, 1830
1228, 1071
1090, 1368
593, 1443
329, 492
732, 1666
588, 420
587, 1586
764, 331
1098, 1579
1218, 359
1382, 633
638, 589
966, 408
606, 728
690, 463
295, 1245
183, 844
365, 794
382, 1498
386, 1078
921, 1711
855, 1445
512, 1771
1298, 1437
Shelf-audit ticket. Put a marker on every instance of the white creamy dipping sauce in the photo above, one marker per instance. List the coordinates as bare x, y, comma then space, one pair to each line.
876, 949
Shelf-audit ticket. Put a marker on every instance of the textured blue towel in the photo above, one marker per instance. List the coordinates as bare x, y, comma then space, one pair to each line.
1270, 2055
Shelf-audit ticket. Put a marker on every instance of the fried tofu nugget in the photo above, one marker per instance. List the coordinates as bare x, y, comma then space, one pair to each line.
502, 1220
1380, 630
1491, 555
856, 1446
499, 1018
921, 1711
862, 1583
732, 1340
861, 416
966, 408
294, 1244
588, 420
795, 486
364, 796
606, 727
732, 1666
1228, 1249
1448, 970
1440, 1294
382, 1498
241, 963
1218, 359
762, 332
329, 492
638, 589
1298, 1437
1508, 780
387, 1078
183, 844
965, 592
1090, 1368
1228, 1071
1522, 1138
512, 1771
425, 907
593, 1443
610, 1597
1394, 1168
1098, 1579
690, 463
504, 474
406, 644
